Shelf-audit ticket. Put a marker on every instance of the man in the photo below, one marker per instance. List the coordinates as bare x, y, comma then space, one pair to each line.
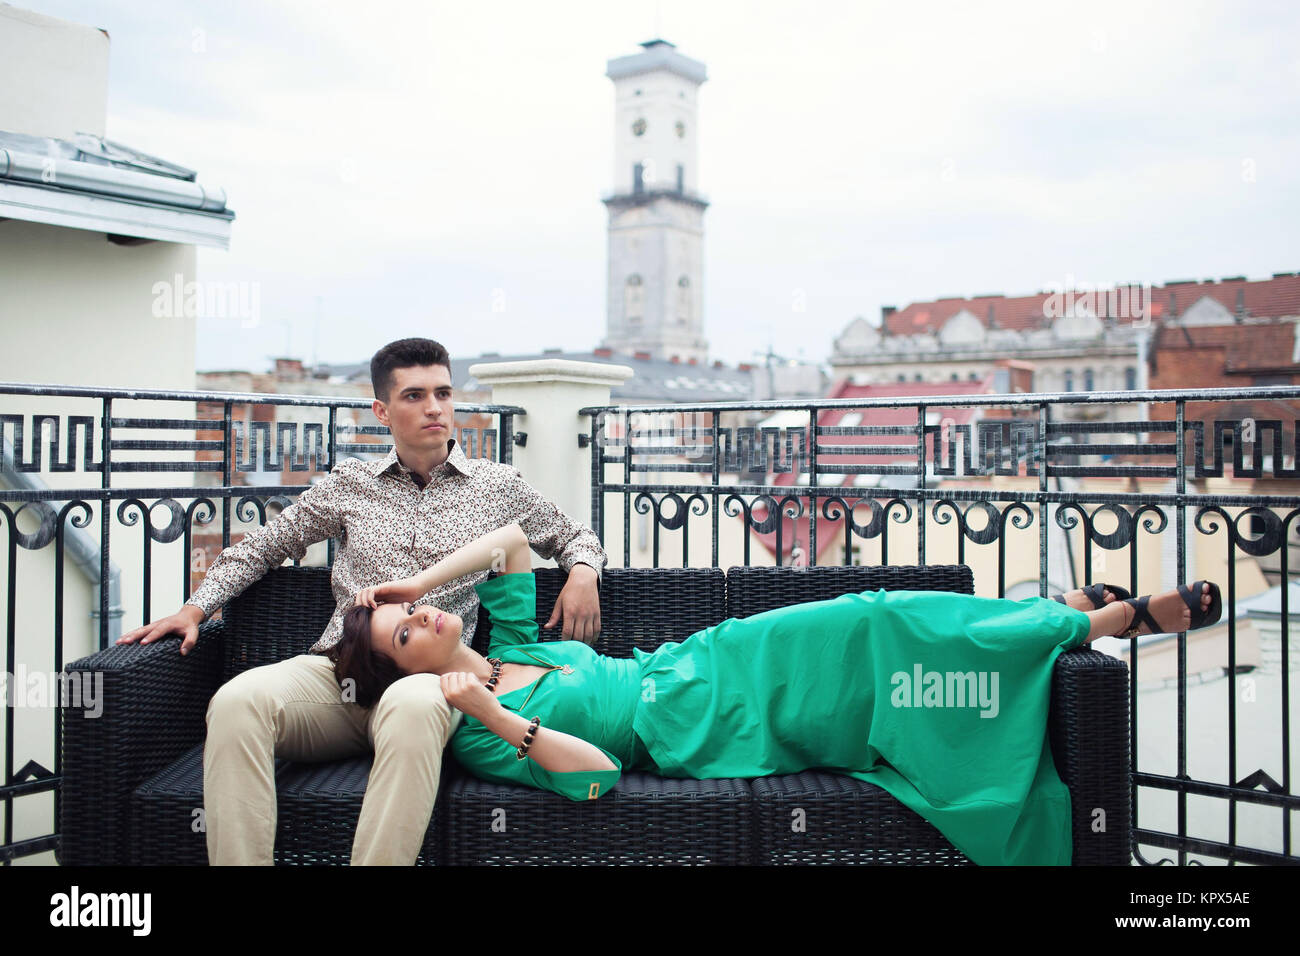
394, 516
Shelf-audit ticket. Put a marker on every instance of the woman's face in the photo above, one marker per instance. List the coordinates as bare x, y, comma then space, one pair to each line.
420, 638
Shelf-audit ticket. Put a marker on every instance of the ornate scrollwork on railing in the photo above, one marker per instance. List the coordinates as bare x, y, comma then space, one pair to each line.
168, 533
1017, 513
1270, 536
771, 523
835, 507
676, 520
43, 535
1070, 514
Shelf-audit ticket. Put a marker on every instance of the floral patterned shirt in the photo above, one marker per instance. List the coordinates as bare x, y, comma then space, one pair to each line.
389, 527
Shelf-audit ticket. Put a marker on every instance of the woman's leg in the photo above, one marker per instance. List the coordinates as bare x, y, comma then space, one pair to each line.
1166, 607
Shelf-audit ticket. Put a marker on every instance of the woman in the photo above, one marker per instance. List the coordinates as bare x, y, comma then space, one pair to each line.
940, 699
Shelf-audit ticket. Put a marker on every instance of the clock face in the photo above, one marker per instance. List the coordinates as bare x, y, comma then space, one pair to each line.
681, 130
639, 127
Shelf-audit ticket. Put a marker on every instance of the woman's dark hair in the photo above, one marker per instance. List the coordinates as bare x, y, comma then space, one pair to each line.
354, 659
404, 353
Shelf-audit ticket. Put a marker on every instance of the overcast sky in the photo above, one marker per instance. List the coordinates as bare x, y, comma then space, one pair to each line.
393, 165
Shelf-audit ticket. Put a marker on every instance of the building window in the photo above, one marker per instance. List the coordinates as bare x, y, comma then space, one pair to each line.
1130, 378
1087, 380
638, 178
683, 301
902, 377
633, 300
952, 377
1069, 380
916, 377
681, 178
973, 376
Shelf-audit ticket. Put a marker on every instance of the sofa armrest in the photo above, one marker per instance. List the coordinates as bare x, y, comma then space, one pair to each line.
153, 708
1088, 726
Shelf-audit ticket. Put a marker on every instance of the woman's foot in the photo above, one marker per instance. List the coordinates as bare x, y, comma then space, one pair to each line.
1092, 597
1170, 612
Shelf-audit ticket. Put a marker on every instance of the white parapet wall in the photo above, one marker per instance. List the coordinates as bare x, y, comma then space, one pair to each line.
552, 391
55, 75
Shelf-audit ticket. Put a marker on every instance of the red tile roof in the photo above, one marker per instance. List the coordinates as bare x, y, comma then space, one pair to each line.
904, 416
1271, 298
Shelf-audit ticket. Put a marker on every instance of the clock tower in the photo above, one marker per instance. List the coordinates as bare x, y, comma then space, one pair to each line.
655, 292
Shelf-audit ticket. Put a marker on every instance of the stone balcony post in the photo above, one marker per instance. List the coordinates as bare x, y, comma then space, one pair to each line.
552, 391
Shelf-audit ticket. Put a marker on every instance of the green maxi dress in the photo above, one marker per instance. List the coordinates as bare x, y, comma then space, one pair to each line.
940, 699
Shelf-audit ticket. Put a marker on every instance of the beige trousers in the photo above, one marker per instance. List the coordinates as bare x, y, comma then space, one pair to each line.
294, 709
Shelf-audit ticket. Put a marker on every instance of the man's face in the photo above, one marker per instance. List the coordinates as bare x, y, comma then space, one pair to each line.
419, 408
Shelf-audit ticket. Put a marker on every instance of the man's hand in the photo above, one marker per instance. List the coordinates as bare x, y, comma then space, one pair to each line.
403, 591
464, 692
185, 622
578, 605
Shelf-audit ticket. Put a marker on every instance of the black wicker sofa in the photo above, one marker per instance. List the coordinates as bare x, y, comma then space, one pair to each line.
133, 781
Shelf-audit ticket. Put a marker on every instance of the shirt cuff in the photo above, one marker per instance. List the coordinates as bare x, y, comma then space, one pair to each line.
594, 561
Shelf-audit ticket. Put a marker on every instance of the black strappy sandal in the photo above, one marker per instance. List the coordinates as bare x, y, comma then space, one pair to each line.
1096, 593
1191, 597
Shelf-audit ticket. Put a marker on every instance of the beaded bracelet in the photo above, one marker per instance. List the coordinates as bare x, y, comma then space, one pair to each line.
522, 752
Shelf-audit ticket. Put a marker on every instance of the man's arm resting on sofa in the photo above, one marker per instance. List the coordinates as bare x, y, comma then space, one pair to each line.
576, 549
315, 516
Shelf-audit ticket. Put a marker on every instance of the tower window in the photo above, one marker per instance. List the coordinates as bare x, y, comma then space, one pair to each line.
633, 300
683, 300
681, 178
638, 178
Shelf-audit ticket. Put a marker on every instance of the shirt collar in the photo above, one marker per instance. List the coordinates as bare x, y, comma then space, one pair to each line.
391, 463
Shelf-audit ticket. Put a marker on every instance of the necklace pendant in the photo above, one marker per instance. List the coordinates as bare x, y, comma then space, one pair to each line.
566, 669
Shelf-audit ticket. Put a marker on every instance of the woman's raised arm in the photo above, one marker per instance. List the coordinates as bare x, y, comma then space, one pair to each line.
503, 549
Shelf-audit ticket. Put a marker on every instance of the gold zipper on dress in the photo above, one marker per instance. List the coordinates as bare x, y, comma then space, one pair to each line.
564, 668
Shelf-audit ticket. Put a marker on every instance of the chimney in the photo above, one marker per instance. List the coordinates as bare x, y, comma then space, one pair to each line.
289, 370
745, 367
717, 363
691, 360
643, 356
1173, 305
1241, 304
1019, 375
604, 352
675, 359
885, 312
992, 321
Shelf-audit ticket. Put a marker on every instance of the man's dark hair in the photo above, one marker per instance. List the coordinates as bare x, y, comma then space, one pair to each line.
404, 353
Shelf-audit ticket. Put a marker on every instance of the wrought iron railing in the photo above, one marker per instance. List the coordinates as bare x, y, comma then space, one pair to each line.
1009, 484
253, 438
1025, 490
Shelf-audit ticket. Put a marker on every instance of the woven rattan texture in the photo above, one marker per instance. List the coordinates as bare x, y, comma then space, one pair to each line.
133, 778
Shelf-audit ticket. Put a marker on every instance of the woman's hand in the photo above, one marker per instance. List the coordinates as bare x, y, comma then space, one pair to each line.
403, 591
464, 692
